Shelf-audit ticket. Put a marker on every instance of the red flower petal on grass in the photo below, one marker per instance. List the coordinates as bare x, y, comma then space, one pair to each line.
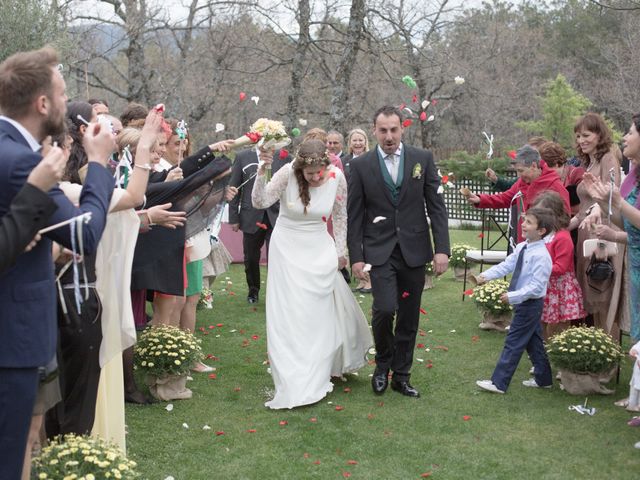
213, 376
442, 347
316, 462
261, 225
347, 390
283, 422
422, 333
205, 333
232, 294
429, 365
469, 292
242, 330
339, 408
219, 432
475, 338
201, 329
313, 420
512, 154
423, 116
255, 337
466, 417
352, 462
425, 475
283, 154
220, 325
237, 389
420, 345
405, 294
423, 311
407, 123
370, 416
245, 343
251, 430
346, 474
211, 327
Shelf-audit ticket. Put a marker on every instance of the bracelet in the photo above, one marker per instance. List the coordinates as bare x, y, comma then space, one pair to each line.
146, 166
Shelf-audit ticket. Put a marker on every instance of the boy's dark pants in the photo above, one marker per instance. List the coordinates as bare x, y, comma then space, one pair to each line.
525, 333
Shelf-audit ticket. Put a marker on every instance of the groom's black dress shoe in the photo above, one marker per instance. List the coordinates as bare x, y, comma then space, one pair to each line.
252, 298
404, 388
379, 382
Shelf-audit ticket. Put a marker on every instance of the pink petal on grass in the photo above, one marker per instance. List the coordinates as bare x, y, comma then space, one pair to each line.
283, 422
339, 408
466, 417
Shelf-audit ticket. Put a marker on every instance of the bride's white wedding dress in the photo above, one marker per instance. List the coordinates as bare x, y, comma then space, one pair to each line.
315, 327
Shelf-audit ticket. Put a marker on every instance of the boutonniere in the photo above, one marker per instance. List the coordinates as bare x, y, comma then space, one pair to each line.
417, 171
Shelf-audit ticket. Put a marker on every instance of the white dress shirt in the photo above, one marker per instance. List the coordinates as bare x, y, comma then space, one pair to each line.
392, 161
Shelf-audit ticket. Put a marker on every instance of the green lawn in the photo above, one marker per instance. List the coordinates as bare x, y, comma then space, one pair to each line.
453, 431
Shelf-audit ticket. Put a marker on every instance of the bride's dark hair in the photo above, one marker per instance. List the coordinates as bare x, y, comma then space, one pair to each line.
311, 153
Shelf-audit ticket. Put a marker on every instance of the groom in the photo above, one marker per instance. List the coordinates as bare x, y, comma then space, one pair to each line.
391, 190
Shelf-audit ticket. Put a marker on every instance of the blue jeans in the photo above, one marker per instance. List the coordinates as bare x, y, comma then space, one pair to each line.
525, 333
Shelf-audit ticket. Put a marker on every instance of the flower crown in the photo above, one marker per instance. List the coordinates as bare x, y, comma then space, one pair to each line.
312, 159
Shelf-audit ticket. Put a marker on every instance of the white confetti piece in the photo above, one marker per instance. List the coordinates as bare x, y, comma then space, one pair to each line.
169, 478
452, 331
379, 219
367, 267
219, 127
430, 331
206, 427
184, 425
372, 351
431, 118
458, 80
255, 99
169, 407
330, 403
420, 360
217, 336
302, 122
425, 104
269, 370
233, 331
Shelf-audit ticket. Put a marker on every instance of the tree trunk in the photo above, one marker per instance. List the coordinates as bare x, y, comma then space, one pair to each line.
299, 57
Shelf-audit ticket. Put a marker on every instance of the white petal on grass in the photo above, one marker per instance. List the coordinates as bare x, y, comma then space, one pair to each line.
184, 425
169, 407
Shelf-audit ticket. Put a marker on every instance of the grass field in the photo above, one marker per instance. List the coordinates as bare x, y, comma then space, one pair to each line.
454, 431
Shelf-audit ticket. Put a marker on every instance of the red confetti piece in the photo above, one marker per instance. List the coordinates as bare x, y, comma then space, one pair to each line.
251, 430
213, 376
261, 225
219, 432
423, 311
423, 116
339, 408
220, 325
255, 337
313, 420
512, 154
415, 99
420, 345
283, 154
316, 462
405, 294
347, 390
407, 123
425, 475
211, 327
242, 96
481, 235
475, 338
351, 462
283, 422
346, 474
466, 417
429, 365
201, 329
442, 347
469, 292
324, 219
232, 294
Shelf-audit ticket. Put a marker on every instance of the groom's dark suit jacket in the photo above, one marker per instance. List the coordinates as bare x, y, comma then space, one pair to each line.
369, 196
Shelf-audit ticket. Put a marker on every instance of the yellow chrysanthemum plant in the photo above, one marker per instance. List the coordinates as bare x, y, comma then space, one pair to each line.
487, 297
75, 457
584, 350
458, 254
166, 350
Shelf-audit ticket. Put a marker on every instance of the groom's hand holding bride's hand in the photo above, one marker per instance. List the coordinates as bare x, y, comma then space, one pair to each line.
358, 270
440, 263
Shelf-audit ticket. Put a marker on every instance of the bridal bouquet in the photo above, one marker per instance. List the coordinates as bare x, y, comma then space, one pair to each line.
267, 134
85, 457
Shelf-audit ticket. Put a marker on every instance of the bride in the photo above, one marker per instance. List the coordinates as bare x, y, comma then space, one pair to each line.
315, 327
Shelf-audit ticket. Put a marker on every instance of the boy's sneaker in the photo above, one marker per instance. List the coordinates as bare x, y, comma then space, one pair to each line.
532, 383
488, 386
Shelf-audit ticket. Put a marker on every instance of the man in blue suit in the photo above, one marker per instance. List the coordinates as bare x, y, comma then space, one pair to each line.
33, 101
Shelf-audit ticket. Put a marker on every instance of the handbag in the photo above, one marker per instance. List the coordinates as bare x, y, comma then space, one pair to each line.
600, 274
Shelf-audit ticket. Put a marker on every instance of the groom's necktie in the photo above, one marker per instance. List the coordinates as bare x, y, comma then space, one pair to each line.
516, 273
392, 164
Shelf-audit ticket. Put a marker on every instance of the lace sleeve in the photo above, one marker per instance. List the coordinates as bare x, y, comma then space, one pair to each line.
266, 194
339, 215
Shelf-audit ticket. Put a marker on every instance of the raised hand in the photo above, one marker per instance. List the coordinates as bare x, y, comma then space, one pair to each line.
150, 130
